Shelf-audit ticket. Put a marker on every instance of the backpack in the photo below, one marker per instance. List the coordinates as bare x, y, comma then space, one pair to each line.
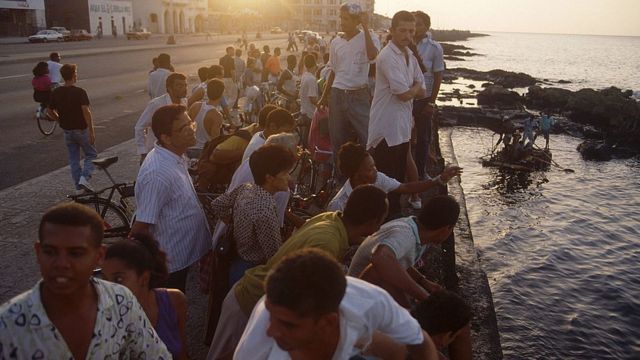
213, 177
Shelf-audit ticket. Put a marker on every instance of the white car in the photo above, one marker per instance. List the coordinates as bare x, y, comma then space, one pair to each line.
46, 36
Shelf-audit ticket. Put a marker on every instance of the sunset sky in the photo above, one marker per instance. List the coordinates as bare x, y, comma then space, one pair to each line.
602, 17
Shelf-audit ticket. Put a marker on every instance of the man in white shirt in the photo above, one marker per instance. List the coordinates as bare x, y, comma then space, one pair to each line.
432, 57
311, 310
399, 81
387, 258
167, 205
308, 94
157, 79
68, 314
346, 91
176, 85
54, 66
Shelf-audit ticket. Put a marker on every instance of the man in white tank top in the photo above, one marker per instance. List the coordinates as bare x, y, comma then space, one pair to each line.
207, 117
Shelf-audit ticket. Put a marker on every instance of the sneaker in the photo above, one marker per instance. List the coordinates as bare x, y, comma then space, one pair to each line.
416, 204
84, 183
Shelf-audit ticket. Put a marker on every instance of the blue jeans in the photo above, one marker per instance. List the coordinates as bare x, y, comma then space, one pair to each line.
348, 116
76, 140
237, 269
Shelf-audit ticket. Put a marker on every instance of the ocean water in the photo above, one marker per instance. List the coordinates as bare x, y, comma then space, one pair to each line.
588, 61
561, 250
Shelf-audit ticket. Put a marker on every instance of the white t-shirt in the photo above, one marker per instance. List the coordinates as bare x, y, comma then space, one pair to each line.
256, 141
54, 72
144, 137
349, 61
400, 235
383, 182
365, 308
157, 85
432, 58
390, 118
308, 88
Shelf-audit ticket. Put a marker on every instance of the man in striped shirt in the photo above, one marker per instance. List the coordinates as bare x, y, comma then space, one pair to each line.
168, 207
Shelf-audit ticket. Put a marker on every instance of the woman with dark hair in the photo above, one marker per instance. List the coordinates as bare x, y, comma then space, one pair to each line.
41, 84
140, 265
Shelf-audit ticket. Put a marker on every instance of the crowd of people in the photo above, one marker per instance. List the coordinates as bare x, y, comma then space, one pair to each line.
273, 295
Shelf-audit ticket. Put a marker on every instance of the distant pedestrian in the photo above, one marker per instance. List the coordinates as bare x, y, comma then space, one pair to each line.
399, 81
546, 122
157, 79
228, 64
167, 205
70, 107
292, 45
346, 90
273, 66
240, 67
176, 85
264, 56
69, 314
54, 69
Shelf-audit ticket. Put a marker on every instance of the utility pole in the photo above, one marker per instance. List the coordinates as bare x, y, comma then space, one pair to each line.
171, 40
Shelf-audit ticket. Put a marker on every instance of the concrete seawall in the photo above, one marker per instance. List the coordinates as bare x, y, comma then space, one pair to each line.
472, 282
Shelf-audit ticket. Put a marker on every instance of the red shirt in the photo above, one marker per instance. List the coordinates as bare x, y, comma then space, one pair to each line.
41, 83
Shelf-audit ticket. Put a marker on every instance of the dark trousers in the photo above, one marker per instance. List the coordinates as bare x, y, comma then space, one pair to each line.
423, 136
392, 161
178, 280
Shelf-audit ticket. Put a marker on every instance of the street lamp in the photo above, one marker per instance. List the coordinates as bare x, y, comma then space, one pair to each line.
171, 40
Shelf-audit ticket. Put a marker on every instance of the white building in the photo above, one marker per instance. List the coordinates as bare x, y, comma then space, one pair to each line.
171, 16
21, 18
110, 16
321, 15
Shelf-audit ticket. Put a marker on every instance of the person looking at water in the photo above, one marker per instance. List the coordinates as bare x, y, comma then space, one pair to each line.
69, 314
359, 167
527, 131
546, 122
346, 90
140, 265
312, 311
432, 57
387, 258
399, 81
333, 232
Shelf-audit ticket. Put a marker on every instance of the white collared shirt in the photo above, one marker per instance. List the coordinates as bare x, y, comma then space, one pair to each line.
349, 61
364, 309
157, 83
256, 141
143, 135
54, 72
308, 88
390, 118
122, 329
166, 199
432, 58
382, 182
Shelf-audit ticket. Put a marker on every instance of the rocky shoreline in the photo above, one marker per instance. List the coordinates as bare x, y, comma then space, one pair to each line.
608, 120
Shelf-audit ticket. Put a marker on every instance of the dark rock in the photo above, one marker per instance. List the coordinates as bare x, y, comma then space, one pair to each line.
453, 58
453, 35
471, 86
547, 98
503, 78
498, 95
594, 150
564, 82
487, 84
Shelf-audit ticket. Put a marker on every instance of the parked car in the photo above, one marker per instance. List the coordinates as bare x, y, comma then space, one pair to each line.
304, 34
46, 36
80, 34
66, 34
139, 34
276, 30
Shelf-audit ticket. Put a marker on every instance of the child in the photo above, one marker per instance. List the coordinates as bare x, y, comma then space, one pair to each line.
41, 85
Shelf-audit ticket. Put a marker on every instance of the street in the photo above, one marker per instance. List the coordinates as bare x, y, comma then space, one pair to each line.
114, 74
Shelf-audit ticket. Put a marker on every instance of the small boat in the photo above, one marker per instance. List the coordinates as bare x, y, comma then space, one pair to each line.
531, 160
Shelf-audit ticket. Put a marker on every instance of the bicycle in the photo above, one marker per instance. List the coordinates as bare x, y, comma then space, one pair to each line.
46, 124
315, 181
117, 216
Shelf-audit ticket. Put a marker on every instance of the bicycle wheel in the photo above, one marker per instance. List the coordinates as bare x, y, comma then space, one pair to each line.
46, 125
116, 223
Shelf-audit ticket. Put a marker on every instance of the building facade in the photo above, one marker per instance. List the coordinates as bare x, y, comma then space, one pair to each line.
22, 17
171, 16
99, 17
321, 15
